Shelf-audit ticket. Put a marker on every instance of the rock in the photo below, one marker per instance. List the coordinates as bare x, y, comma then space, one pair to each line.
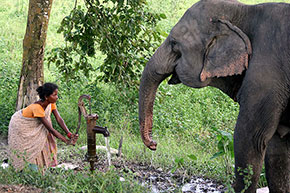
67, 166
152, 178
186, 188
200, 185
4, 165
154, 189
159, 170
263, 190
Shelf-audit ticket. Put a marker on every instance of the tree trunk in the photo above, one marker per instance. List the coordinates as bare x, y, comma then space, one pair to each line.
33, 52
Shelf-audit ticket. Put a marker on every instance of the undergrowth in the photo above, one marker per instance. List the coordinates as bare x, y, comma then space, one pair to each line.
60, 180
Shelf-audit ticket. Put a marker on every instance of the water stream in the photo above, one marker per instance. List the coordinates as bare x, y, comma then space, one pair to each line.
108, 150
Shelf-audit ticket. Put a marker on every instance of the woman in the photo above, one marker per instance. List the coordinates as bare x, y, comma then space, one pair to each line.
31, 135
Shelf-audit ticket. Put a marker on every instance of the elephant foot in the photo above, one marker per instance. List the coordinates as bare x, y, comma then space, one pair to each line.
277, 164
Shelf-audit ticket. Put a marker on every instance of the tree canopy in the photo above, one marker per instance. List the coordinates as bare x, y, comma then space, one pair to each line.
124, 31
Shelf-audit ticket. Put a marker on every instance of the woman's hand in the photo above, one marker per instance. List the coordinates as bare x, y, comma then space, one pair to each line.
49, 127
73, 139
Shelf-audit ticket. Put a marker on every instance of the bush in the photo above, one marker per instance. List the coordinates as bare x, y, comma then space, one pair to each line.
8, 86
123, 31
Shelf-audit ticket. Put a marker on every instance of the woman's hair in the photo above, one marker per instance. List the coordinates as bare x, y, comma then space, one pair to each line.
46, 90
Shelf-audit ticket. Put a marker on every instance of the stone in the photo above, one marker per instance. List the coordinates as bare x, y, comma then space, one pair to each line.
263, 190
67, 166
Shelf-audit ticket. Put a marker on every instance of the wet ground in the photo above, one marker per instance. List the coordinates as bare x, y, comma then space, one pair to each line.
165, 181
157, 179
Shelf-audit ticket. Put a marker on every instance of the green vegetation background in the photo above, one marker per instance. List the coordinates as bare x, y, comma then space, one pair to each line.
185, 120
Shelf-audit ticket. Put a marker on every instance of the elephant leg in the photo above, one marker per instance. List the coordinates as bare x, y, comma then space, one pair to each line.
262, 100
277, 164
246, 158
257, 122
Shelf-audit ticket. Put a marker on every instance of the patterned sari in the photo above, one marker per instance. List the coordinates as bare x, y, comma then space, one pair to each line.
30, 142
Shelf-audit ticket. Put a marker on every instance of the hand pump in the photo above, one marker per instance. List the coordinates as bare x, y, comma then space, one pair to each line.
92, 130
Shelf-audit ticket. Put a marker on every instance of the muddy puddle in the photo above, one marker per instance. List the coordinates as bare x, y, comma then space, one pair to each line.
159, 180
156, 179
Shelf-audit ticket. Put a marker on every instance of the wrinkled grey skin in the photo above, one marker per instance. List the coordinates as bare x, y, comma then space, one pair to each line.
244, 50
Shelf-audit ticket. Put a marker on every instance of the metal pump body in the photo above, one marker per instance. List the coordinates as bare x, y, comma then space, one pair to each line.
92, 130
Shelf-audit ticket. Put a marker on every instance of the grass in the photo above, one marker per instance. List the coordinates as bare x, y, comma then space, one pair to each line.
183, 117
59, 180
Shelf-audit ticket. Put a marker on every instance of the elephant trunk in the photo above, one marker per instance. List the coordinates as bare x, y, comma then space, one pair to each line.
148, 86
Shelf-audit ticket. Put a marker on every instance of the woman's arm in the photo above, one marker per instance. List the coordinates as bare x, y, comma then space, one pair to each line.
60, 122
48, 125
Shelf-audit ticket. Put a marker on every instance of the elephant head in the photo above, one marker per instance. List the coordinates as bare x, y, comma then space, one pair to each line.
202, 48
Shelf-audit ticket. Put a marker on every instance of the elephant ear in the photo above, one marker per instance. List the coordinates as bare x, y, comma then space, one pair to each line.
227, 53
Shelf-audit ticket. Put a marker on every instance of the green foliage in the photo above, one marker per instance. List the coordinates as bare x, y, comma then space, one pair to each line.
8, 87
192, 157
229, 180
262, 181
10, 61
247, 174
179, 162
225, 146
225, 143
59, 180
181, 110
124, 31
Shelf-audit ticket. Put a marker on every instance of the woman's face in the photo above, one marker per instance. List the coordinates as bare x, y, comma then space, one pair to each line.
53, 97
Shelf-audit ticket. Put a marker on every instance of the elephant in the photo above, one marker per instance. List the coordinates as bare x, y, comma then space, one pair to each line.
243, 50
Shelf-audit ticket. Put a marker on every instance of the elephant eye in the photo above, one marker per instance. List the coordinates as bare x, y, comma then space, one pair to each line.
173, 42
174, 46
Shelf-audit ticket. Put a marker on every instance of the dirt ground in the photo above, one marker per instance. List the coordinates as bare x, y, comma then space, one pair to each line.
19, 188
156, 179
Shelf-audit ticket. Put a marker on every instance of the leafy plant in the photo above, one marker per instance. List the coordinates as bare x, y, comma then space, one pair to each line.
247, 173
262, 181
192, 157
225, 146
179, 162
124, 31
8, 87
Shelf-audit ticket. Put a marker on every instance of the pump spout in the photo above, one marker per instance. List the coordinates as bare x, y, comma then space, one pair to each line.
101, 130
